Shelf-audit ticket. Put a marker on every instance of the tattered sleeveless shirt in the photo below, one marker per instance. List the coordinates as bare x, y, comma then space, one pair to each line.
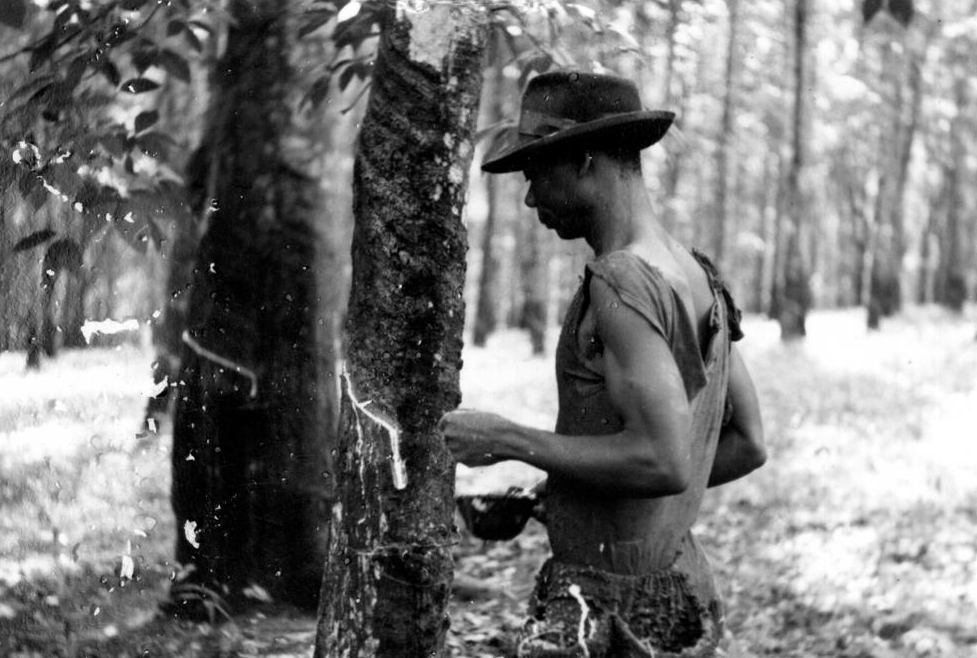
585, 409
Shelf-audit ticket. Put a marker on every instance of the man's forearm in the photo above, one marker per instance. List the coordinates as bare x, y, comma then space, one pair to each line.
736, 456
622, 463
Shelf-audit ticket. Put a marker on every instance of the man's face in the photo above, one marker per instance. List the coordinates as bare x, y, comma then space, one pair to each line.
554, 192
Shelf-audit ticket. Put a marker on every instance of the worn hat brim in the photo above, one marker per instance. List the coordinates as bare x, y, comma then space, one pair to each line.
637, 129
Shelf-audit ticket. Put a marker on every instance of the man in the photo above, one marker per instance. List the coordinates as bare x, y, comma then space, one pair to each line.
654, 403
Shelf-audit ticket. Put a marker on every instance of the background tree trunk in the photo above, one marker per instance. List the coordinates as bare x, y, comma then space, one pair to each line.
487, 306
250, 466
795, 296
389, 566
725, 135
534, 279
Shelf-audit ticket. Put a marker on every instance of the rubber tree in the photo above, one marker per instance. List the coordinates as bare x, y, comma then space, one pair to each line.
250, 461
793, 295
389, 566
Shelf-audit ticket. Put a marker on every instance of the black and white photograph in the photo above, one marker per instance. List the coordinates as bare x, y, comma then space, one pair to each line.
488, 329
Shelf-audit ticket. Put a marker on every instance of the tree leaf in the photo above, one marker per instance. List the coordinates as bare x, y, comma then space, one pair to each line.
63, 254
42, 52
870, 8
114, 144
175, 65
193, 40
314, 19
152, 144
63, 176
201, 25
139, 85
143, 58
902, 11
346, 76
110, 71
146, 119
319, 90
173, 28
13, 13
32, 190
118, 34
75, 70
34, 239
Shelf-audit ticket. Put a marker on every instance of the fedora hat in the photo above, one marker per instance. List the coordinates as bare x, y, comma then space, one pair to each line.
570, 108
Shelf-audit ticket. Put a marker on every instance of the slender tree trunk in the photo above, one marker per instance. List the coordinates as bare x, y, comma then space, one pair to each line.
796, 298
534, 270
725, 133
486, 309
900, 71
389, 567
250, 469
951, 278
5, 279
673, 166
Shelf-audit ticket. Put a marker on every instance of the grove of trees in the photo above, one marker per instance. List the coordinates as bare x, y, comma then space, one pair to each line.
191, 164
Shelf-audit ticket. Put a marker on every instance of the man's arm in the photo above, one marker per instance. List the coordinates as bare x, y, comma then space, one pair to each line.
649, 457
740, 448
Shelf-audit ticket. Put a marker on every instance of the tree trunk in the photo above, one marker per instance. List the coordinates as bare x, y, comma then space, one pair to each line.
250, 465
486, 309
179, 254
795, 297
534, 267
725, 133
6, 279
899, 70
389, 565
951, 289
673, 166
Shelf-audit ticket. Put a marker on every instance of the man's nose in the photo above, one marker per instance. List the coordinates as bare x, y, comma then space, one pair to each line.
530, 199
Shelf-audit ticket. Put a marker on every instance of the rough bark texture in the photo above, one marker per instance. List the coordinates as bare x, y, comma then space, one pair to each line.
250, 468
389, 566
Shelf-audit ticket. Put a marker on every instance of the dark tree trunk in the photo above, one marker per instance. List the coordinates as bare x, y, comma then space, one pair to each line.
951, 287
389, 566
250, 464
5, 280
795, 297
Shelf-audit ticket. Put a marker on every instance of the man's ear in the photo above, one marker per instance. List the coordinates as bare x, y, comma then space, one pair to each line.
586, 164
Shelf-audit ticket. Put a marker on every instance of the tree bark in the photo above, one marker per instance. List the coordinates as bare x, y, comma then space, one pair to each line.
795, 296
250, 465
389, 567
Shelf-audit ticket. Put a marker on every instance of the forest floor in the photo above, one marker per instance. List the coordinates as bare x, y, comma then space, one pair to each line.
858, 539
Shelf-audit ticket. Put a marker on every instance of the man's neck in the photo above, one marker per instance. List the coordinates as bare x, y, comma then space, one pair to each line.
623, 214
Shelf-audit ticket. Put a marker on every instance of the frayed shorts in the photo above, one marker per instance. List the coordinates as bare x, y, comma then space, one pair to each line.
583, 611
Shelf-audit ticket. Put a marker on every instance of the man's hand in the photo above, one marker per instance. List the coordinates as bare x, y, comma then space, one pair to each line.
476, 438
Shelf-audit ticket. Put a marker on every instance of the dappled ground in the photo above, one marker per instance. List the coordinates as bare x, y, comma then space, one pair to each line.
858, 539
